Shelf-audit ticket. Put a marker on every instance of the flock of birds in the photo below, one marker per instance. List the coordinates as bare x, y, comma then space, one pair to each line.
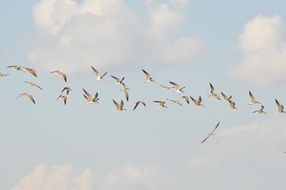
119, 106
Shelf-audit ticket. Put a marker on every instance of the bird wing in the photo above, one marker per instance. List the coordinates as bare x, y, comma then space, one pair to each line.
212, 88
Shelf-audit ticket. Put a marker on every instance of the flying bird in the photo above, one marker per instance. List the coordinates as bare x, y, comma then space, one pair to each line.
211, 133
176, 102
3, 75
137, 104
98, 76
89, 98
280, 107
30, 70
160, 104
34, 85
67, 90
252, 99
260, 111
15, 67
118, 81
177, 87
148, 77
119, 106
167, 87
212, 93
225, 97
232, 104
60, 74
64, 98
197, 102
187, 99
28, 96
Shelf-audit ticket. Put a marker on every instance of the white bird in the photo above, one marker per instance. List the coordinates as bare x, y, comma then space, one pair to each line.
176, 102
30, 70
187, 99
124, 89
28, 96
160, 104
89, 98
260, 111
3, 75
167, 87
119, 106
213, 94
211, 133
232, 104
280, 107
60, 74
15, 67
64, 98
197, 102
225, 97
137, 103
118, 81
67, 90
31, 84
148, 77
252, 99
98, 76
177, 87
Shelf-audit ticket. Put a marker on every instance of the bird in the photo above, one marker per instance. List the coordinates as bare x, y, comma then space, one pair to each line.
89, 98
252, 99
15, 67
211, 133
187, 99
260, 111
64, 98
118, 81
98, 76
124, 89
198, 102
177, 87
212, 93
232, 104
67, 90
60, 74
137, 103
30, 70
166, 87
280, 107
3, 75
148, 77
160, 104
176, 102
28, 96
119, 106
33, 85
225, 97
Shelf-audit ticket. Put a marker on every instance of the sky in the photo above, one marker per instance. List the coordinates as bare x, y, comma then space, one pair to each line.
238, 46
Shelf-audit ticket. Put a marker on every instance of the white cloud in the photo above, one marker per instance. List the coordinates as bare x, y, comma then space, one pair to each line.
65, 177
106, 32
263, 48
259, 141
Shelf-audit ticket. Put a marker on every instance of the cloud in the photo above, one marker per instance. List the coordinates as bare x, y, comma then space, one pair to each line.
263, 48
258, 141
109, 33
65, 177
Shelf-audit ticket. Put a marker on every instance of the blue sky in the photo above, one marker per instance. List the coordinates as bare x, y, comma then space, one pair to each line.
236, 45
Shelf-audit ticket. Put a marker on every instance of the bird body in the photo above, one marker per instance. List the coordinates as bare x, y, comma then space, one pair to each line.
148, 77
98, 75
28, 96
60, 74
89, 98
